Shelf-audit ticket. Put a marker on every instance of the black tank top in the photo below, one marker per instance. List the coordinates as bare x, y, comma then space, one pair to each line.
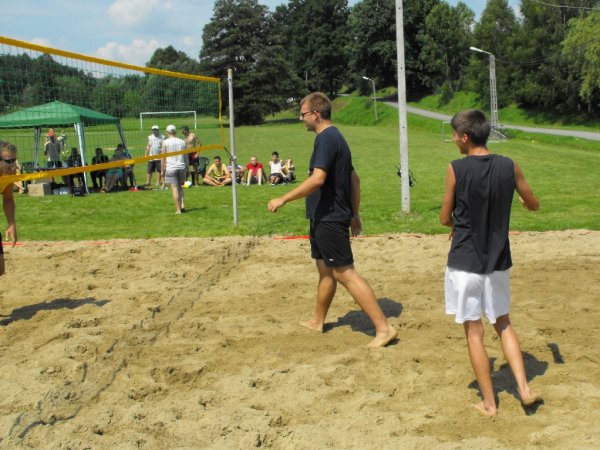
481, 215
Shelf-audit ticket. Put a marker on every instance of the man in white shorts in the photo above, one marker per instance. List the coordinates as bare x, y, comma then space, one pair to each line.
173, 167
477, 204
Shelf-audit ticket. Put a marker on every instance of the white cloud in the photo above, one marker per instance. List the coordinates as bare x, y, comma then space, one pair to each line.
41, 41
138, 52
188, 41
139, 13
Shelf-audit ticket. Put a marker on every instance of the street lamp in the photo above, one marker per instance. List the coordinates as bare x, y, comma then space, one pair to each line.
493, 96
374, 97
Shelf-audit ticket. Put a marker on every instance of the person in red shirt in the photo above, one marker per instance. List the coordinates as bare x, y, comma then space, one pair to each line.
255, 172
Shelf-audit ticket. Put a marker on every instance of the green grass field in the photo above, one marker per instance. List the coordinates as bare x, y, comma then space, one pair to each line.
562, 172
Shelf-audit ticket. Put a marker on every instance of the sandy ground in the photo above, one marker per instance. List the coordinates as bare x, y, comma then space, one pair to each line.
194, 343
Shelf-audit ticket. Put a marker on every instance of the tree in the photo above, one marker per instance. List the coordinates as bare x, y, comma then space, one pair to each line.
372, 43
544, 77
316, 38
445, 45
176, 61
581, 49
239, 37
415, 14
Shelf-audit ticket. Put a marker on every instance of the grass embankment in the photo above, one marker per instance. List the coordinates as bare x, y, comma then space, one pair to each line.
510, 114
562, 172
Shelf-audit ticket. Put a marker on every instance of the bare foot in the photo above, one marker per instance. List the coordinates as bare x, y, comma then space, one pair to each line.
531, 399
383, 339
312, 325
485, 411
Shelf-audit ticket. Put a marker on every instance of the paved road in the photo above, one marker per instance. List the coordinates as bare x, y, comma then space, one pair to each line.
560, 132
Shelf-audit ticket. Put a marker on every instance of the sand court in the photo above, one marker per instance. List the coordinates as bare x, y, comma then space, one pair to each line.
147, 344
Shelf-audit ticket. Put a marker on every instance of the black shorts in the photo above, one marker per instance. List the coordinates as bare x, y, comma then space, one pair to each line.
154, 165
193, 161
330, 241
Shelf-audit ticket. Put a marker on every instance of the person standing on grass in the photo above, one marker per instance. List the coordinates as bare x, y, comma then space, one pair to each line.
477, 204
8, 166
332, 193
173, 167
191, 141
154, 147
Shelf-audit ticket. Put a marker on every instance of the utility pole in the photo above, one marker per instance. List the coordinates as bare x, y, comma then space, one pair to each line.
493, 93
403, 129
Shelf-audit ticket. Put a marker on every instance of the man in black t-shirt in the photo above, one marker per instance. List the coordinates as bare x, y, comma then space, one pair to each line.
332, 193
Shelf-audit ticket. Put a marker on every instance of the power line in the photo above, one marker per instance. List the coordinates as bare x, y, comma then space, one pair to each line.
563, 6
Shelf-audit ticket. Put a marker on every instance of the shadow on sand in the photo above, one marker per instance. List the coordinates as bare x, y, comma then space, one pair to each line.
503, 379
358, 320
27, 312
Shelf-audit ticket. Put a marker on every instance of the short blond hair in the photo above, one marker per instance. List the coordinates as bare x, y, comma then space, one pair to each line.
317, 101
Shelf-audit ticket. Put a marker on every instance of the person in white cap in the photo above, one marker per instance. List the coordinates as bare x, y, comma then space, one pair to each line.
154, 147
173, 167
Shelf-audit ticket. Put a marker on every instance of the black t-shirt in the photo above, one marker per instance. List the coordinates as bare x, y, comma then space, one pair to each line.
333, 201
481, 215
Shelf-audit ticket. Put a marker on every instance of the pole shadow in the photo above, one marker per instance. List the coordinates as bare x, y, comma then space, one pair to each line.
503, 380
27, 312
359, 321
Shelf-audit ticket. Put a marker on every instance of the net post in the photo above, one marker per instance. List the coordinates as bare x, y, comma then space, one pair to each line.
232, 140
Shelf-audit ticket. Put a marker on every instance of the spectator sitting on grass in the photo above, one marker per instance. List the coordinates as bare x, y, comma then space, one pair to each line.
217, 174
276, 175
114, 176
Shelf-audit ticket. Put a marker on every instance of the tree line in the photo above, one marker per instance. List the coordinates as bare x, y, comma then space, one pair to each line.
547, 58
28, 81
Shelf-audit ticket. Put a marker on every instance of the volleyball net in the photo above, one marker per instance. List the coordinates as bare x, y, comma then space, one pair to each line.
60, 109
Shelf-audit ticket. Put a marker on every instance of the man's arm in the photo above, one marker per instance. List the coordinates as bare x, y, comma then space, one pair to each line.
448, 202
8, 203
163, 161
210, 170
526, 196
308, 186
147, 152
355, 223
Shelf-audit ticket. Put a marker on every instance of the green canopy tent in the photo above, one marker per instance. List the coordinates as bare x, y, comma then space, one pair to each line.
57, 114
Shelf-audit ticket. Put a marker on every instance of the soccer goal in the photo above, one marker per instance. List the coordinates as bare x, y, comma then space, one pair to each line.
177, 114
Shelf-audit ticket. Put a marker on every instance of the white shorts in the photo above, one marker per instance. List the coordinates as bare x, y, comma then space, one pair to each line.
468, 295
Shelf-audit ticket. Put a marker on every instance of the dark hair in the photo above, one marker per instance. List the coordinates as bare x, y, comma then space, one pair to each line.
8, 147
185, 128
275, 153
317, 101
473, 123
217, 157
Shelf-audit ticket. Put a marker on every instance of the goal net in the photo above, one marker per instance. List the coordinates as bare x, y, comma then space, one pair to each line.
61, 108
162, 117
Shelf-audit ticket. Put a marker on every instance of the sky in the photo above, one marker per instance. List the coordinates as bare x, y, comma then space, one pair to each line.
122, 30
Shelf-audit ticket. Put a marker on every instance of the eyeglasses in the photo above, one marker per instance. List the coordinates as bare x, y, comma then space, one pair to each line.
302, 114
10, 161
